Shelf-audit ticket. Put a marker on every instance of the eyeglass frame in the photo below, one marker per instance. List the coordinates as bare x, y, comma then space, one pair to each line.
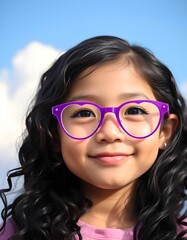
58, 109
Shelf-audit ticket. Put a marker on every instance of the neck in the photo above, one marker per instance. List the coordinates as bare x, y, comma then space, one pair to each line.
111, 208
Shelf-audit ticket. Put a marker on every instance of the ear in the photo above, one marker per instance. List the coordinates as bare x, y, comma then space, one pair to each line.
167, 130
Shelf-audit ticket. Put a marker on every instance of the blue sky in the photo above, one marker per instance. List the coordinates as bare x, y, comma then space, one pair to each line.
33, 33
160, 25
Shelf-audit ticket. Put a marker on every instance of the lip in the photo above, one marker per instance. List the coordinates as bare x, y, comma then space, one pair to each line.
110, 158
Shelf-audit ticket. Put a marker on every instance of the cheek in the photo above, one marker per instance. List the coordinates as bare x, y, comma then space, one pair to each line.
67, 150
147, 150
73, 153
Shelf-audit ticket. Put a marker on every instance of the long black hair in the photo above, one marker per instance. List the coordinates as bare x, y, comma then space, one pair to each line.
52, 201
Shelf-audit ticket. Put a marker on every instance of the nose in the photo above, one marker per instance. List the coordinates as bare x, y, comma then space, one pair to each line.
110, 131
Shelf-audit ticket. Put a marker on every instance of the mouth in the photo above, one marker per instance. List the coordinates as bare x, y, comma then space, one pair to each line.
110, 158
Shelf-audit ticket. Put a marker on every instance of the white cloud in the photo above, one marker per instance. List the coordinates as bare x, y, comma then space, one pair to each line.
183, 89
17, 87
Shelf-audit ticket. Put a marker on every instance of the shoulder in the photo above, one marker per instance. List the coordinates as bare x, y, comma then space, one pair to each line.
9, 230
182, 227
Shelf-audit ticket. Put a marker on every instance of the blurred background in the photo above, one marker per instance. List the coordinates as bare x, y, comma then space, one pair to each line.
34, 33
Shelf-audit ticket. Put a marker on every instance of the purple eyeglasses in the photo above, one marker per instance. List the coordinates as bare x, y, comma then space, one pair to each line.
138, 118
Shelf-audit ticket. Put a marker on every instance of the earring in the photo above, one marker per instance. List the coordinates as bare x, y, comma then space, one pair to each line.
165, 144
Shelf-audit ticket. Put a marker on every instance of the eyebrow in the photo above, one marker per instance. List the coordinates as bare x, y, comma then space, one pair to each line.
126, 96
130, 95
90, 97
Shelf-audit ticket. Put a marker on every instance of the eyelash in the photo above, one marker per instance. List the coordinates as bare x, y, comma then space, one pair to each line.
136, 108
80, 111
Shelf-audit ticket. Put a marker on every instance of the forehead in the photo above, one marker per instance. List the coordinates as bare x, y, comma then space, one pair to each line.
110, 81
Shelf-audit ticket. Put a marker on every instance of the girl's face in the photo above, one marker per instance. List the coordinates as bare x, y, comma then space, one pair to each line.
110, 159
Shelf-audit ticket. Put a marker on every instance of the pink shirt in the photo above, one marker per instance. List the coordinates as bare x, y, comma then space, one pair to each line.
9, 230
88, 232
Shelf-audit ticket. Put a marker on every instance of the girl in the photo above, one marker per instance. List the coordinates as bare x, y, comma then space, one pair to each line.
104, 154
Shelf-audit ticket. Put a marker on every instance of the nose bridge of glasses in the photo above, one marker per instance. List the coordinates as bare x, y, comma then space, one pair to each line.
113, 111
110, 110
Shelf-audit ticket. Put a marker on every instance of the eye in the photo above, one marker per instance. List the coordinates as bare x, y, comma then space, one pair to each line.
85, 113
135, 111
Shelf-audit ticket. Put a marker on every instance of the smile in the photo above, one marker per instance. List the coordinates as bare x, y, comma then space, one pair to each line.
110, 158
